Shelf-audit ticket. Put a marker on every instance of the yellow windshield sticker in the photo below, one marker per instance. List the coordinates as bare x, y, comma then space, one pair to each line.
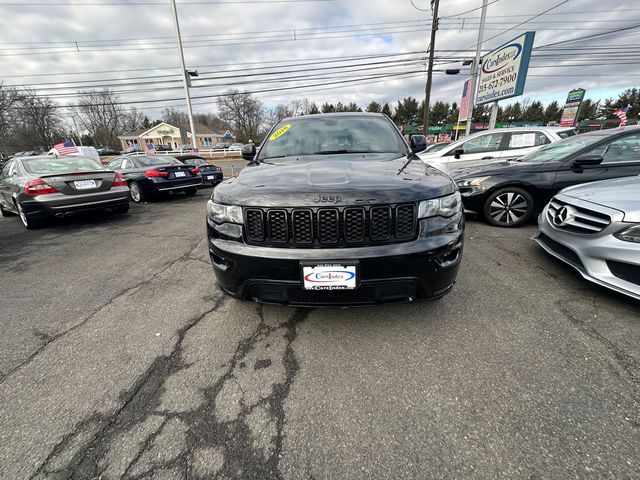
281, 131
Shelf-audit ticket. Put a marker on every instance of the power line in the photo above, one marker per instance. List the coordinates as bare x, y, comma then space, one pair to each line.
69, 85
134, 4
319, 60
206, 45
468, 11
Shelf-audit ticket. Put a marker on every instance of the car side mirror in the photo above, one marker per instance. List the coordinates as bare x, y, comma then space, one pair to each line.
418, 144
457, 152
588, 160
248, 152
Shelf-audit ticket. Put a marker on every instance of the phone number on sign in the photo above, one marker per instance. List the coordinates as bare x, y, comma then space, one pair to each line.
498, 82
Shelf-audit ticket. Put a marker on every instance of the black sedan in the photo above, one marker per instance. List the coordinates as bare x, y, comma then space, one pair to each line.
149, 175
36, 188
508, 194
211, 174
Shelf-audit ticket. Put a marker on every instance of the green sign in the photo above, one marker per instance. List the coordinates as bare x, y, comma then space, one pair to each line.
168, 131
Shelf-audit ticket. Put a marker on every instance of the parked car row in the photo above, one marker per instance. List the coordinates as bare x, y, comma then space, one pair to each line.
39, 187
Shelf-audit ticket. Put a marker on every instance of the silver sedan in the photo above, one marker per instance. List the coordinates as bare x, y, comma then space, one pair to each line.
595, 228
36, 188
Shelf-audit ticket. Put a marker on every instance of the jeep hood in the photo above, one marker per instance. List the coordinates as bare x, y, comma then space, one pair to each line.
334, 181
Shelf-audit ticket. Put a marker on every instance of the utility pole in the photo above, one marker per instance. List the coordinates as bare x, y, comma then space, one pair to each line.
427, 90
474, 67
185, 76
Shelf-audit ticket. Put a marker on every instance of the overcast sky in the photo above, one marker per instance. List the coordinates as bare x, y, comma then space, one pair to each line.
226, 39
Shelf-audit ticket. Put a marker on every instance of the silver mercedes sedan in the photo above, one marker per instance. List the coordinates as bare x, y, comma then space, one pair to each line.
35, 188
595, 228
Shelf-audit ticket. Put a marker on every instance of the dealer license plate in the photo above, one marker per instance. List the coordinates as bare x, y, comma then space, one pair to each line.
210, 177
180, 174
84, 184
330, 277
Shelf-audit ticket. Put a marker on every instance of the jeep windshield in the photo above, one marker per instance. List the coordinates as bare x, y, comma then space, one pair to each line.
313, 137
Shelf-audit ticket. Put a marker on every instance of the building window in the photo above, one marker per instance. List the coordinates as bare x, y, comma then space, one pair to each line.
207, 142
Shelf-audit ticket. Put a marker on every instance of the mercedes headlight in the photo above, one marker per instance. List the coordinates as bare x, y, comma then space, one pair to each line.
631, 234
440, 207
224, 213
472, 182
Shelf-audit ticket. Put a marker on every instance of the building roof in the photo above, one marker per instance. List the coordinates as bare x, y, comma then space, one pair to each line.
200, 130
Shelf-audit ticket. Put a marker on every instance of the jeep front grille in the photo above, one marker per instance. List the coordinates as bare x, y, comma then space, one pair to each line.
581, 220
330, 226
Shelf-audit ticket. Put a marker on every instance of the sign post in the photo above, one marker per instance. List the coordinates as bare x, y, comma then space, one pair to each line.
572, 107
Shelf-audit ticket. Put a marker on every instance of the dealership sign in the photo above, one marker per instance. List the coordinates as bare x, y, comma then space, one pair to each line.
572, 107
504, 71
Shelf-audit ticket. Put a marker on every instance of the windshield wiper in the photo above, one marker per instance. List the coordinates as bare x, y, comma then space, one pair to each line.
410, 158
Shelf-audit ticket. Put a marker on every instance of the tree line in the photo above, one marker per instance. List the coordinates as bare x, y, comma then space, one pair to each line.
32, 121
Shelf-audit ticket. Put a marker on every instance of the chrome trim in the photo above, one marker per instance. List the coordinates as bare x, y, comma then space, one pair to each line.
181, 186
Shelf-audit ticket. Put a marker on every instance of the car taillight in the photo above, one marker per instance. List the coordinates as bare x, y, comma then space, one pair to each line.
195, 170
119, 181
218, 169
38, 187
155, 174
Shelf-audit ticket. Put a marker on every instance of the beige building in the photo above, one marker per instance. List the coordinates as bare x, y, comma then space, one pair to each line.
174, 136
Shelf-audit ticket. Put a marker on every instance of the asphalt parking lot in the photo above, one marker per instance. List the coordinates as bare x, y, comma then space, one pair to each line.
120, 358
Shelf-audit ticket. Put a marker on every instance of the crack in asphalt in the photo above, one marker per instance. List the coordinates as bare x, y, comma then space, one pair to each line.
242, 458
580, 321
48, 339
137, 404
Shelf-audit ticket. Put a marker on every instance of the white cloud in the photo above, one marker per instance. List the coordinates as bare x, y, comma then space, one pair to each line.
89, 25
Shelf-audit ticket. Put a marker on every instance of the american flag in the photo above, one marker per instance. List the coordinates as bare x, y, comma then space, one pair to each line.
621, 113
66, 148
151, 149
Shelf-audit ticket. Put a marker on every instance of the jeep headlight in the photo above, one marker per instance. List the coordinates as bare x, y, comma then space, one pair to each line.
440, 207
631, 234
224, 213
472, 182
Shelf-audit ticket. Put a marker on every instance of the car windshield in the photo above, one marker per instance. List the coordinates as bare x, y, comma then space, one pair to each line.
436, 147
562, 149
53, 165
313, 136
149, 160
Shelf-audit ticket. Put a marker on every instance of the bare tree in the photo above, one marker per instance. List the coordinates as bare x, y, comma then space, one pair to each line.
243, 112
99, 113
174, 116
36, 121
211, 120
274, 114
134, 120
9, 97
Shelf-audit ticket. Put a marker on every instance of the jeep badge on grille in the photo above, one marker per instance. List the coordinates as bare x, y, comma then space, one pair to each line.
327, 199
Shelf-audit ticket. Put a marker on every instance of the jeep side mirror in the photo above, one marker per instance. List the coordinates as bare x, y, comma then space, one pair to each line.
457, 152
418, 143
248, 152
588, 160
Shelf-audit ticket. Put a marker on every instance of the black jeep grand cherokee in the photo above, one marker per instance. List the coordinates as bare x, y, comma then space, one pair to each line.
335, 210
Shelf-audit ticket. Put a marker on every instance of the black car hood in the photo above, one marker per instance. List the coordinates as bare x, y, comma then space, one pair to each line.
496, 168
334, 180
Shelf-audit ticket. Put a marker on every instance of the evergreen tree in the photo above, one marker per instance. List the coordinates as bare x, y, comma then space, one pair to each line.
328, 108
374, 107
534, 112
407, 112
386, 109
552, 113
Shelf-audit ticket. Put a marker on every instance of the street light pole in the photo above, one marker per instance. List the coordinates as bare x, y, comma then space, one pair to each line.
427, 90
185, 75
474, 67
